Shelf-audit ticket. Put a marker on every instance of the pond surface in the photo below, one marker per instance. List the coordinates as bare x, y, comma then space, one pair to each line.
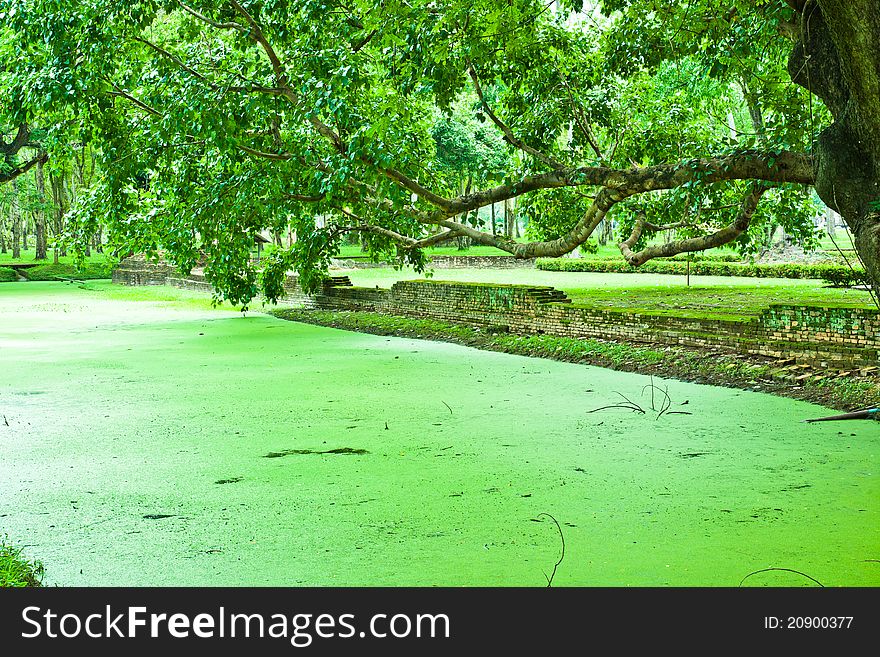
161, 442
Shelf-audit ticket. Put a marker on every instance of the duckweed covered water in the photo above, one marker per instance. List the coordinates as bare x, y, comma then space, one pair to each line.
145, 440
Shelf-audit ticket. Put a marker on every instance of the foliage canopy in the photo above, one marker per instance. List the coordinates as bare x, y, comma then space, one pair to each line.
398, 119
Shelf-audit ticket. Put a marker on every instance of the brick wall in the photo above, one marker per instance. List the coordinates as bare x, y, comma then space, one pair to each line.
137, 270
835, 337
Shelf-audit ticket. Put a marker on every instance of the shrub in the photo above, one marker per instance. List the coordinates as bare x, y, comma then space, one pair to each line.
843, 276
838, 275
720, 257
7, 275
56, 272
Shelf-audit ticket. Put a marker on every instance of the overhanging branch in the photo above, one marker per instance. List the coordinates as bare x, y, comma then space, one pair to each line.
718, 238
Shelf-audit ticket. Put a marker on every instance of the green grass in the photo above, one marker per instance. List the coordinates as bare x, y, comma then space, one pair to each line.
16, 570
166, 296
718, 297
7, 275
64, 271
28, 256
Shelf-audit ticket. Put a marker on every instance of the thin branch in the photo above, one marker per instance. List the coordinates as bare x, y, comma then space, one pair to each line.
265, 155
509, 137
562, 554
222, 26
787, 570
177, 60
305, 198
256, 33
582, 122
124, 94
406, 242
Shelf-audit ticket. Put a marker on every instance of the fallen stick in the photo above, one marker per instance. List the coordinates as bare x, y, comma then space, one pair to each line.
867, 414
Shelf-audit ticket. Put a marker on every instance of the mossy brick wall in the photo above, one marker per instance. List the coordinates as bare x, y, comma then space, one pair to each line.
473, 303
848, 340
137, 270
841, 325
843, 338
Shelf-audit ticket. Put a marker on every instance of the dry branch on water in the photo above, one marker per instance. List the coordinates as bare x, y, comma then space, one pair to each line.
561, 555
665, 404
787, 570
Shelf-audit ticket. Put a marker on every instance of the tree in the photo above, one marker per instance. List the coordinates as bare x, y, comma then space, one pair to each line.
218, 119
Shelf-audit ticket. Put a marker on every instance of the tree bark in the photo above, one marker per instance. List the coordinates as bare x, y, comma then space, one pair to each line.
59, 202
16, 223
837, 58
40, 215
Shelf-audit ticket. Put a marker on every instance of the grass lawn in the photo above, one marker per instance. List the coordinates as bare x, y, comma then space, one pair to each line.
152, 440
27, 257
724, 297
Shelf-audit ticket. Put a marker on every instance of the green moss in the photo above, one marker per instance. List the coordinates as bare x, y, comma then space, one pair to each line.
678, 362
7, 275
175, 412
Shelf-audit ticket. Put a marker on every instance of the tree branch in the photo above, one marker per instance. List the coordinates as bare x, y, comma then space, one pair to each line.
405, 241
22, 136
40, 158
212, 23
509, 137
723, 236
264, 155
124, 94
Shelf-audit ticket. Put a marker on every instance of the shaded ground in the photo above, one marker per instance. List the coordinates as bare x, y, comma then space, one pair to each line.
139, 436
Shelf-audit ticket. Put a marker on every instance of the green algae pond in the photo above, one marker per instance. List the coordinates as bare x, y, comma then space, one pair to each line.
148, 439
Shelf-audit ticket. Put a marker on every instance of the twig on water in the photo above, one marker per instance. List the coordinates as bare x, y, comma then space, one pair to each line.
447, 406
627, 404
787, 570
562, 554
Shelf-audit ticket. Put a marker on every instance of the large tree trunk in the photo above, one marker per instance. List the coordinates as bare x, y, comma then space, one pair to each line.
3, 237
838, 59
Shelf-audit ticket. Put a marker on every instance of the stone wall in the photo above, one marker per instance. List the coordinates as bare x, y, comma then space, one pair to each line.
137, 270
829, 338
